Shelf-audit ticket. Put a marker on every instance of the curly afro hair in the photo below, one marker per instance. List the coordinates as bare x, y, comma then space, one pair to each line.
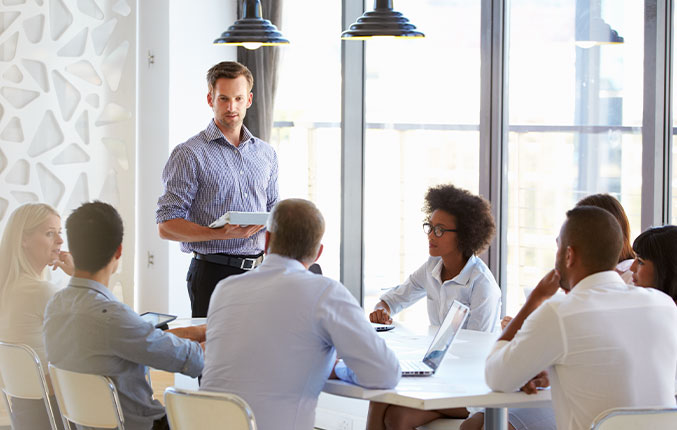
474, 221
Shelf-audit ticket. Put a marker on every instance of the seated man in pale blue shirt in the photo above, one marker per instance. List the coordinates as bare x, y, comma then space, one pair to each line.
87, 330
274, 333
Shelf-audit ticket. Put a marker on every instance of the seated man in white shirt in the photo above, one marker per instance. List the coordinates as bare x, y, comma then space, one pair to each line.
274, 333
605, 344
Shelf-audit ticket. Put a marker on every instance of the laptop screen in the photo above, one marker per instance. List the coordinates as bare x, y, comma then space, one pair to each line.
452, 323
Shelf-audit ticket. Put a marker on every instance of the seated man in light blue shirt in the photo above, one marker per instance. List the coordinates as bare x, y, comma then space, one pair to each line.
274, 332
87, 330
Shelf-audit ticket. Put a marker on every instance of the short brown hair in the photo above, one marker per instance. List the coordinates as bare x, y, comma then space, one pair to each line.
474, 221
611, 204
228, 70
595, 236
296, 228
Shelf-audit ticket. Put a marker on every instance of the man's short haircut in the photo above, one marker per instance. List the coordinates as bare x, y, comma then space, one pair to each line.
595, 236
296, 228
228, 70
474, 221
94, 232
659, 246
611, 204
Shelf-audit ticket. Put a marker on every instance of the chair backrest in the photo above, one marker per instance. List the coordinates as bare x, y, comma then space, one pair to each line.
86, 399
636, 419
21, 376
188, 410
315, 268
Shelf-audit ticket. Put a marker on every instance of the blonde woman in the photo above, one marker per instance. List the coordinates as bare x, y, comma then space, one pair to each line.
31, 242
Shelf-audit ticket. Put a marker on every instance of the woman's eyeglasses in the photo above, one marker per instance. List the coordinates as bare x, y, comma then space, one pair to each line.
437, 229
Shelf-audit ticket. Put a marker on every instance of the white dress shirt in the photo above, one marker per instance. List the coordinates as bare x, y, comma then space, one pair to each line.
474, 286
22, 316
608, 344
273, 335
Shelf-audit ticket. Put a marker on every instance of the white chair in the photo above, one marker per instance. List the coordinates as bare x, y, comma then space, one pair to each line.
86, 399
442, 424
188, 410
22, 377
636, 419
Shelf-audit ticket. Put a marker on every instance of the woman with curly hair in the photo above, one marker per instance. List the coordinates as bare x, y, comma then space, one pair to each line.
459, 226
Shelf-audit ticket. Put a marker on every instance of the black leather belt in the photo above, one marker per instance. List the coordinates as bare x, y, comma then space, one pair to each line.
245, 263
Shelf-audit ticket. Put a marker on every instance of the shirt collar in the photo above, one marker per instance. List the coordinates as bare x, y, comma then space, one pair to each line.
272, 260
596, 279
212, 133
464, 275
92, 285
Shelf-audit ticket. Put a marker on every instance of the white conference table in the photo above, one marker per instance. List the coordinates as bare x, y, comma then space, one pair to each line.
458, 382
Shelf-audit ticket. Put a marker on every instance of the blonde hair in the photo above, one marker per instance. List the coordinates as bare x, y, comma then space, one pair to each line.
14, 262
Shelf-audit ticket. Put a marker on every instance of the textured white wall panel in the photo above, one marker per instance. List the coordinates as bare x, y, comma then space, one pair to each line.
67, 110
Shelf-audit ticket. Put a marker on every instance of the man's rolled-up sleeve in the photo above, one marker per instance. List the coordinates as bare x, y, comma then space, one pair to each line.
180, 181
273, 191
134, 339
536, 346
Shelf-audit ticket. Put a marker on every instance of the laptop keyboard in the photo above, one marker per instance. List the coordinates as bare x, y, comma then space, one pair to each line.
415, 367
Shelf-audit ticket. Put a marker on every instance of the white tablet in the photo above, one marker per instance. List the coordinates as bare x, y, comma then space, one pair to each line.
241, 218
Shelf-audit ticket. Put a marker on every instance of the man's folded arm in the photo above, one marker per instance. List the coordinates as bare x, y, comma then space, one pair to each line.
536, 346
366, 359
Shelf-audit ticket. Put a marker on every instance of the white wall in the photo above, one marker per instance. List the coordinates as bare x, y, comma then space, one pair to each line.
67, 103
172, 108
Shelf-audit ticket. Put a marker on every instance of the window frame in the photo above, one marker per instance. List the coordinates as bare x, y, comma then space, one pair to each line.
656, 132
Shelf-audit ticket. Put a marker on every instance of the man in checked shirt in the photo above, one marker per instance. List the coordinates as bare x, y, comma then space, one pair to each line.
222, 168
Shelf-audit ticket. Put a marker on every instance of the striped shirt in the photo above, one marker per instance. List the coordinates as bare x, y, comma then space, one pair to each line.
207, 176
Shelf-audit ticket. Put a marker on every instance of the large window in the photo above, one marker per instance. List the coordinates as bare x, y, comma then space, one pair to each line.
422, 114
575, 116
307, 130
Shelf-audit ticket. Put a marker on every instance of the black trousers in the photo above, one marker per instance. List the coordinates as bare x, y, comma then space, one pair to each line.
202, 279
161, 424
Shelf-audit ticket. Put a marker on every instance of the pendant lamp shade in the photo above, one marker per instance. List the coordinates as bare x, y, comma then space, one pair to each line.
252, 31
596, 32
383, 21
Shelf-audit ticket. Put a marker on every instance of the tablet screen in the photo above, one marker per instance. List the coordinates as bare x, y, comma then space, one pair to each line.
158, 320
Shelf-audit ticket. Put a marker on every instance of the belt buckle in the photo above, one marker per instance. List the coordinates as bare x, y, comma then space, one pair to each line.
251, 266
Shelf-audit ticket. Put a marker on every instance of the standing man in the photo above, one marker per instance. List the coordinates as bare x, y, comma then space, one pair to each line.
222, 168
605, 344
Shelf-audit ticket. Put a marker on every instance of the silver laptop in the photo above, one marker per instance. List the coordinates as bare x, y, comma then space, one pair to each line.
446, 334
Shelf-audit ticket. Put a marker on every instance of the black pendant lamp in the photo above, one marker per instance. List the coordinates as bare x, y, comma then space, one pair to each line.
383, 21
252, 31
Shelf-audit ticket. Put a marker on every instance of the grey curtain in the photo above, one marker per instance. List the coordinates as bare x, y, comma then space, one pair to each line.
263, 63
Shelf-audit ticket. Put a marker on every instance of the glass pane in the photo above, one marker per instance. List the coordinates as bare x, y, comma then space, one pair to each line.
674, 130
422, 110
307, 129
575, 116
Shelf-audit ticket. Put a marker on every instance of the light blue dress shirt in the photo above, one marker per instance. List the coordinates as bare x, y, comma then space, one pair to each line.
474, 286
273, 335
88, 330
207, 176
